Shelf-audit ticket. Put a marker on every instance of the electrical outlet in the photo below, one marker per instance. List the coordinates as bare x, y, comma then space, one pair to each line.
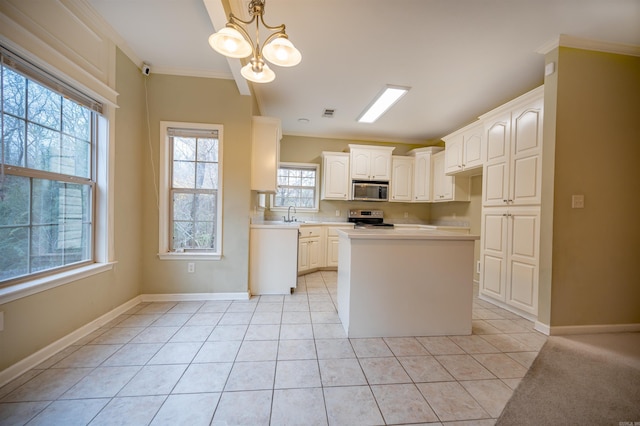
337, 212
191, 267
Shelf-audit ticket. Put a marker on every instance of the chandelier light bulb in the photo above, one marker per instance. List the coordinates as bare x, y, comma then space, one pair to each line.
282, 52
229, 42
263, 75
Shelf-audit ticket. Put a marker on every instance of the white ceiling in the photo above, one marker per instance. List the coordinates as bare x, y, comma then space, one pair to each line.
460, 57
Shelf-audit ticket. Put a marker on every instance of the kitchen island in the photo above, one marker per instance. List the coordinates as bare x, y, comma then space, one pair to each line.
394, 283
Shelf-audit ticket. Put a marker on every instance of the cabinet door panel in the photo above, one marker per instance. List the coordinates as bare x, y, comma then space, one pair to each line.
526, 131
303, 255
498, 141
495, 185
453, 155
422, 181
401, 179
524, 236
332, 252
360, 162
493, 276
336, 177
380, 166
494, 253
522, 274
494, 232
526, 167
314, 253
522, 292
472, 150
526, 180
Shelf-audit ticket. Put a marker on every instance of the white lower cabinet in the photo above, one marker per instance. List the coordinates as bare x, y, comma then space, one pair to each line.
510, 256
309, 248
333, 244
271, 252
318, 246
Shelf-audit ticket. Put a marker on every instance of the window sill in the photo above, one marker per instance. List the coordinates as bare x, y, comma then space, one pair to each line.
189, 256
28, 288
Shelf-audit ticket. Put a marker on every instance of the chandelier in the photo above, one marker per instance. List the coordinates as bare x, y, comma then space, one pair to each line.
234, 41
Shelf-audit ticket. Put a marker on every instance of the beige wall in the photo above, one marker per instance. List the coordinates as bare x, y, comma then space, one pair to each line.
201, 100
33, 322
597, 152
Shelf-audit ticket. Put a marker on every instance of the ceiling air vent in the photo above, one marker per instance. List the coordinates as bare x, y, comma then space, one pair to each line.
328, 113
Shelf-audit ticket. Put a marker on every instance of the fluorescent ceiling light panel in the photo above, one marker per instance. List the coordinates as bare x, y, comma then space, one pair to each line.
385, 100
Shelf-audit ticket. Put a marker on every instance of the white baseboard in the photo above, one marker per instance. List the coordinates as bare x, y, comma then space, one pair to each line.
592, 329
506, 307
33, 360
542, 328
43, 354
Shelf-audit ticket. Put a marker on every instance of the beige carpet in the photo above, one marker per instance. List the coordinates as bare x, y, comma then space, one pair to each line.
580, 380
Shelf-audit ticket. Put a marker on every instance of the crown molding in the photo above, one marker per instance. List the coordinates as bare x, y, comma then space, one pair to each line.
191, 72
565, 40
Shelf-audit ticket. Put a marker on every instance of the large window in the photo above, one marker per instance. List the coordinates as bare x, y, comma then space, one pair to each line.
297, 186
192, 198
47, 172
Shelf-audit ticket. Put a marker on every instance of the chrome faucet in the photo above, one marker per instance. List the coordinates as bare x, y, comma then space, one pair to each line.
290, 218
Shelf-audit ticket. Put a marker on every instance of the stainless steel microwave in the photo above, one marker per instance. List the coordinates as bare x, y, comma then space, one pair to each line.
370, 191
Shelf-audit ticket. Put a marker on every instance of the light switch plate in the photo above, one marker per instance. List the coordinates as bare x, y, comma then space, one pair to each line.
577, 201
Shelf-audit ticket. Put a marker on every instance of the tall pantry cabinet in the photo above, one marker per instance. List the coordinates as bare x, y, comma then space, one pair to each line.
510, 226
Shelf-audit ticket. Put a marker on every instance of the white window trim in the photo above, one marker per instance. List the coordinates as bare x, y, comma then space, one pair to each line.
163, 197
316, 209
103, 249
69, 71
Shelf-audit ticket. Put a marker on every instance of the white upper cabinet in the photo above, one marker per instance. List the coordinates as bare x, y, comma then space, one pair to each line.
422, 173
401, 179
370, 162
465, 151
448, 188
265, 153
513, 170
335, 176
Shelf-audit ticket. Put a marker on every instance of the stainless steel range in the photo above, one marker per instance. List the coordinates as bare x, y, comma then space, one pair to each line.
368, 219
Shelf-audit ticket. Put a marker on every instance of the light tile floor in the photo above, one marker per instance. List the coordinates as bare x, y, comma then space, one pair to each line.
273, 360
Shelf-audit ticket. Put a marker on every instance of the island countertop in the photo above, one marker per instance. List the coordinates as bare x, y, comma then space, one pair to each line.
404, 234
